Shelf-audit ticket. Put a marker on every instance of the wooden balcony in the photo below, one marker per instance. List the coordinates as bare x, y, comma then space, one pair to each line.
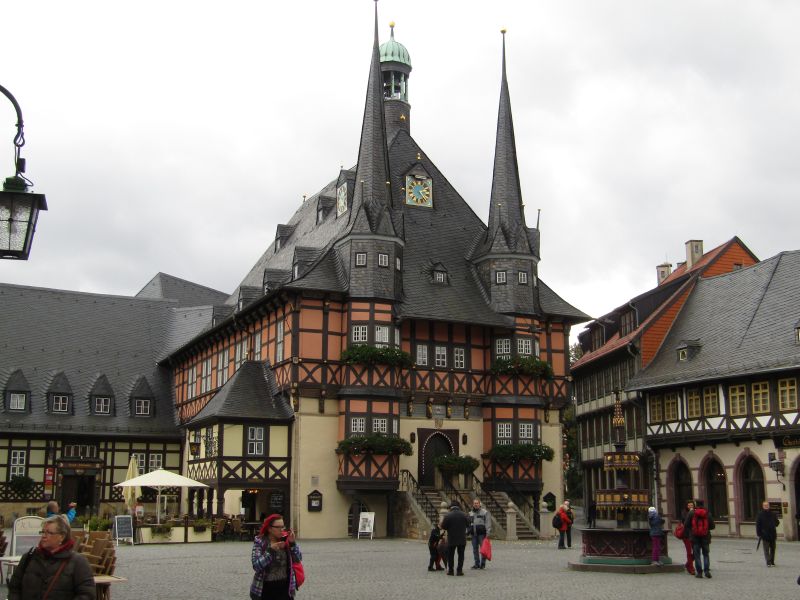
368, 472
524, 475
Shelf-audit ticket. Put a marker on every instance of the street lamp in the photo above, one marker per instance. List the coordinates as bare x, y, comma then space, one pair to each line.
19, 208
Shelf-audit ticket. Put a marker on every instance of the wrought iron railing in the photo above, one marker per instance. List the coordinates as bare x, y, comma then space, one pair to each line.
410, 485
455, 495
524, 504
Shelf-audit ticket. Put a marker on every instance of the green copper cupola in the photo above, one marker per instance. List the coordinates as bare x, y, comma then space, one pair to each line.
395, 69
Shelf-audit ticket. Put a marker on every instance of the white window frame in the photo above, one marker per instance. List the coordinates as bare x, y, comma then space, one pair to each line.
358, 425
397, 264
17, 400
380, 425
500, 277
504, 433
17, 463
141, 461
422, 354
381, 336
361, 259
255, 440
537, 347
102, 405
155, 461
257, 346
279, 335
360, 334
142, 407
524, 346
459, 357
223, 360
383, 260
439, 277
522, 277
527, 433
440, 356
60, 403
191, 383
502, 347
205, 378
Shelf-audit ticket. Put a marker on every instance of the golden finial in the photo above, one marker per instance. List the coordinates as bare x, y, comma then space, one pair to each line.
391, 23
418, 156
503, 30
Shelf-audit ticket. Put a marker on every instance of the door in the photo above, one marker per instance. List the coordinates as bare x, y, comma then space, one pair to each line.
436, 445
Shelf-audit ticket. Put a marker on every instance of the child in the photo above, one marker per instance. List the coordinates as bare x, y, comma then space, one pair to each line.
436, 537
656, 534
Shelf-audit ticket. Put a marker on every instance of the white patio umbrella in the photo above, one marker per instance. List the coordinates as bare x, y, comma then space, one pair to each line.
159, 479
132, 493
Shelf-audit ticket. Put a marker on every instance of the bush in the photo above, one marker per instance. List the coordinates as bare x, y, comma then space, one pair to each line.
99, 524
456, 464
516, 452
370, 355
522, 365
375, 444
163, 530
22, 485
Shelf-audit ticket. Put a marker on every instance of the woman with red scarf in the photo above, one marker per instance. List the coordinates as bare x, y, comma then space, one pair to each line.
274, 554
53, 571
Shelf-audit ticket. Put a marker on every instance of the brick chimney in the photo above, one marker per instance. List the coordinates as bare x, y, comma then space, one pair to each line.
694, 252
663, 271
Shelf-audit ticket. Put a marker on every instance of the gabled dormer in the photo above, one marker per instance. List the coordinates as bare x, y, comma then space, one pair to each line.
101, 398
303, 258
17, 393
274, 278
688, 349
59, 395
247, 295
325, 206
282, 235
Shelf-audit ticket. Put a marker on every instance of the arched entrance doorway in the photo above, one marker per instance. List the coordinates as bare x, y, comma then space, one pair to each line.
716, 490
752, 489
682, 479
436, 444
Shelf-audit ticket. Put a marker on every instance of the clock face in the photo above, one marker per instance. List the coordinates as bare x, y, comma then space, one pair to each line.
419, 191
341, 199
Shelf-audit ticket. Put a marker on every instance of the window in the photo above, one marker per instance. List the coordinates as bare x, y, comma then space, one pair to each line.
141, 461
440, 356
526, 433
240, 353
142, 406
210, 443
524, 346
671, 406
760, 396
683, 354
422, 354
279, 342
693, 404
737, 398
710, 402
752, 489
682, 488
205, 378
500, 277
16, 401
361, 259
439, 277
523, 277
223, 358
383, 260
597, 338
277, 244
656, 409
17, 463
716, 490
358, 425
156, 461
102, 405
627, 323
536, 347
255, 441
78, 451
191, 380
359, 334
380, 425
60, 403
257, 346
459, 361
787, 394
503, 434
397, 263
503, 347
397, 336
381, 336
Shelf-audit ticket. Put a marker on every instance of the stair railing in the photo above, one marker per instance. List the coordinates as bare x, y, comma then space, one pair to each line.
519, 498
409, 484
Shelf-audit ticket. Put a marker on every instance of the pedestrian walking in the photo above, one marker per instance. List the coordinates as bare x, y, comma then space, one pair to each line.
701, 525
480, 528
767, 531
591, 515
684, 533
564, 523
656, 522
571, 515
274, 555
455, 523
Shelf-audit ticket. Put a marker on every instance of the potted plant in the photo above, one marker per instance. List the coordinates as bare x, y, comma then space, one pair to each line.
374, 444
371, 355
522, 365
164, 530
200, 525
513, 453
21, 485
455, 466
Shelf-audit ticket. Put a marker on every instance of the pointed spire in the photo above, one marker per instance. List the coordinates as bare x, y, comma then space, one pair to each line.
372, 172
505, 210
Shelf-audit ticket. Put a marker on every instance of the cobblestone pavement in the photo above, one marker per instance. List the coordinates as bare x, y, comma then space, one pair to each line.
396, 569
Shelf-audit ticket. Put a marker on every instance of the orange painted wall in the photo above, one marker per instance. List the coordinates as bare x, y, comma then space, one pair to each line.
459, 334
310, 318
504, 413
527, 413
358, 406
657, 331
380, 407
311, 345
725, 262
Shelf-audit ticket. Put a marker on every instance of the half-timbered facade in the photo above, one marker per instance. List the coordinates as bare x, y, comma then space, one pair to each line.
619, 344
721, 398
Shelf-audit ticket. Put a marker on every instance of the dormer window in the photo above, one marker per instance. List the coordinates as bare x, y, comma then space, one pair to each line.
597, 338
277, 244
383, 260
797, 333
439, 277
627, 323
17, 401
500, 277
523, 277
295, 271
141, 407
320, 215
688, 349
60, 403
683, 354
361, 259
102, 405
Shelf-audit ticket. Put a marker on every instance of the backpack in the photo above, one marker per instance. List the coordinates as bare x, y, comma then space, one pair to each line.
557, 521
700, 524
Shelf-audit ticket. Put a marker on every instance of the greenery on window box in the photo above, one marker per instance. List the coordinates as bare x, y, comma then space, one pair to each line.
99, 524
372, 355
522, 365
22, 485
162, 530
450, 463
200, 525
517, 452
374, 444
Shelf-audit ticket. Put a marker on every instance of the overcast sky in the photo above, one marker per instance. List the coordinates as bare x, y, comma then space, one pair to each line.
176, 135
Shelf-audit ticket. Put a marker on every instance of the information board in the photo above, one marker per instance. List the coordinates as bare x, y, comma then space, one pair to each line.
123, 528
366, 524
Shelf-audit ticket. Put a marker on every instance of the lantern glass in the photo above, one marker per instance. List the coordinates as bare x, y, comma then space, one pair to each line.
19, 212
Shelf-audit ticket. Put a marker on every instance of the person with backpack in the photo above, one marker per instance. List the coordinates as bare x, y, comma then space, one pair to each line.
562, 522
700, 524
767, 531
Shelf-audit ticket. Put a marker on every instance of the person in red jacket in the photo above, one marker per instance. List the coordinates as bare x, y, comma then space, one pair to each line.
566, 523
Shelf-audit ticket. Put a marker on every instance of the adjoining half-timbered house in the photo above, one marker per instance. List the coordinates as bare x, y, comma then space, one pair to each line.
619, 344
387, 255
80, 391
721, 398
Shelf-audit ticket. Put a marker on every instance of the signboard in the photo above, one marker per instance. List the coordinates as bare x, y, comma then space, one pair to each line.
276, 501
123, 528
49, 478
366, 524
315, 501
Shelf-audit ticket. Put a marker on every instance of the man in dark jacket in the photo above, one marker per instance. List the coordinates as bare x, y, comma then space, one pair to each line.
700, 523
767, 529
455, 523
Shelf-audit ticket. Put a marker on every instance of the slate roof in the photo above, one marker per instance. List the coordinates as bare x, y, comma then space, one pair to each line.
79, 341
744, 322
164, 286
251, 393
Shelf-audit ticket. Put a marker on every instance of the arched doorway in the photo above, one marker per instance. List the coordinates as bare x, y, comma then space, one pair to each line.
682, 487
436, 445
716, 490
752, 478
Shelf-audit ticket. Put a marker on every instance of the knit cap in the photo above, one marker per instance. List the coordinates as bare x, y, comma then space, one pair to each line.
652, 510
